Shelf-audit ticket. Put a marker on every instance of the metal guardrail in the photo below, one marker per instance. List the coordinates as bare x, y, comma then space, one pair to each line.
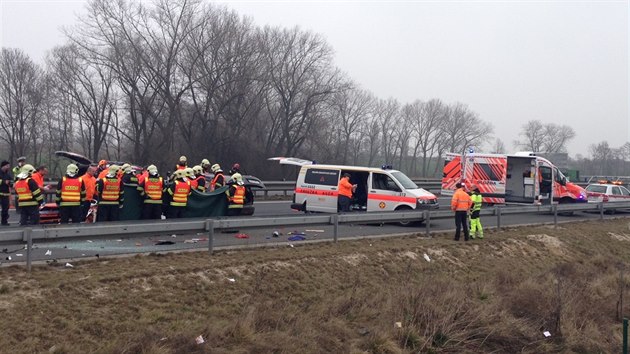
209, 226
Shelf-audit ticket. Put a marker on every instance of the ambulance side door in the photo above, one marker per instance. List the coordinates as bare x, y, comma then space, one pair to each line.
320, 187
383, 193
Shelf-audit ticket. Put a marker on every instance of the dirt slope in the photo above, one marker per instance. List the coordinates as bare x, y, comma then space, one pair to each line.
497, 295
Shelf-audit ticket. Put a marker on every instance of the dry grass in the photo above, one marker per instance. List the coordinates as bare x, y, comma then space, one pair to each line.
497, 295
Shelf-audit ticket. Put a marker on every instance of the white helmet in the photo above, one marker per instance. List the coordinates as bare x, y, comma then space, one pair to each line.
198, 170
237, 178
152, 170
216, 168
28, 169
72, 170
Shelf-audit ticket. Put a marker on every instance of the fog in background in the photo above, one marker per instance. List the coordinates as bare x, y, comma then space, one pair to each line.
557, 61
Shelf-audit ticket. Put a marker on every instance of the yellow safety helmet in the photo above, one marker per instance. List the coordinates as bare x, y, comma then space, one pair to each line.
198, 170
216, 168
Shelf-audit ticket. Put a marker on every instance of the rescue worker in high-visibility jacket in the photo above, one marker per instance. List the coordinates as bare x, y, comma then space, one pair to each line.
460, 204
190, 176
475, 220
345, 190
102, 170
29, 196
182, 164
151, 190
129, 179
236, 195
110, 196
219, 180
200, 180
18, 168
205, 166
70, 195
179, 191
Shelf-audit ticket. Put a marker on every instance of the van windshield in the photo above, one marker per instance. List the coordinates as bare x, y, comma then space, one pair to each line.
404, 180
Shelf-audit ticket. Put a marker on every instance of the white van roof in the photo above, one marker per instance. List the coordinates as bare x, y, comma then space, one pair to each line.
301, 162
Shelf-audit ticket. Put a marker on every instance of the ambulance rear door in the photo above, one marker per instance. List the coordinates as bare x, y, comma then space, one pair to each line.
319, 189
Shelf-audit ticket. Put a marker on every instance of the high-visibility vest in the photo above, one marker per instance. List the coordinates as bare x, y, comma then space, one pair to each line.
461, 200
153, 190
111, 191
213, 184
238, 199
477, 199
201, 183
24, 193
180, 167
180, 195
71, 191
194, 183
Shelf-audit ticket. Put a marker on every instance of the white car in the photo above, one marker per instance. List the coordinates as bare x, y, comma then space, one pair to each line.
607, 193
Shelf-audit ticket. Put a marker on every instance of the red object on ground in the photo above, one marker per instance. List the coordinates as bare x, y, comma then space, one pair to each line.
241, 236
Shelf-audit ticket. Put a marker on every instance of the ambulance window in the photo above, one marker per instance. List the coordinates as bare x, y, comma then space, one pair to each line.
625, 192
616, 191
322, 177
384, 182
494, 172
545, 172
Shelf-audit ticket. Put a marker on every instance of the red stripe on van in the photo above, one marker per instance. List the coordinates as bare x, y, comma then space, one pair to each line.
392, 198
316, 192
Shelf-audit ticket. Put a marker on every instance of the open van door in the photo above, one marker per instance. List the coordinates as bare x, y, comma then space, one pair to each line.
291, 161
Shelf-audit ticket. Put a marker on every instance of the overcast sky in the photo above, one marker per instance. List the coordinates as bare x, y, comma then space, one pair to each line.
563, 62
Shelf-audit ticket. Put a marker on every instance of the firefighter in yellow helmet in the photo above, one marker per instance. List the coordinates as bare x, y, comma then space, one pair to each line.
236, 195
29, 196
110, 196
219, 180
179, 191
70, 195
200, 180
151, 189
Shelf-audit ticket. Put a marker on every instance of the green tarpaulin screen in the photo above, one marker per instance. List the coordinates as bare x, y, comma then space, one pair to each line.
199, 204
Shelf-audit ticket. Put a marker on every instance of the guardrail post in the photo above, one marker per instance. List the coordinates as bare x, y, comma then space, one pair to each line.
555, 215
334, 219
427, 222
210, 230
601, 210
497, 211
625, 335
29, 246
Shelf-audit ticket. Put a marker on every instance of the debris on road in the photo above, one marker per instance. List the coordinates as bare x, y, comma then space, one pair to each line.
48, 253
398, 324
199, 340
426, 257
68, 265
242, 236
314, 230
164, 242
297, 237
231, 280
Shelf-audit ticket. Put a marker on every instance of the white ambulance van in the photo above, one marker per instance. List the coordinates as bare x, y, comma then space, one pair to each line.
378, 189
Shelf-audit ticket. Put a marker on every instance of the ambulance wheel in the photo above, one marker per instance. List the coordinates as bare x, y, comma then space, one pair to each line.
405, 223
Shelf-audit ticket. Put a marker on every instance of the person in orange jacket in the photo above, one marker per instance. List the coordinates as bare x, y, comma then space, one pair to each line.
345, 189
460, 204
89, 179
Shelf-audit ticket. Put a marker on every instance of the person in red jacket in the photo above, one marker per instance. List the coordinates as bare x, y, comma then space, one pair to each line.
460, 204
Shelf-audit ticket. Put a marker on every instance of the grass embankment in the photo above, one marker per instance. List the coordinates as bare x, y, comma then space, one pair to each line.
496, 295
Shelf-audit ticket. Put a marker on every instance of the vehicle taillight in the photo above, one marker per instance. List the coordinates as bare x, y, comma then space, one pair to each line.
605, 199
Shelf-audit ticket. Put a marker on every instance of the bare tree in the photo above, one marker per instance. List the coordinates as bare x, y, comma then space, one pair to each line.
556, 137
21, 96
348, 108
498, 147
602, 154
301, 77
426, 120
91, 87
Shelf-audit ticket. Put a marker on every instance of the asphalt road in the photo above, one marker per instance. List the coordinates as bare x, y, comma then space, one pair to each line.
69, 249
